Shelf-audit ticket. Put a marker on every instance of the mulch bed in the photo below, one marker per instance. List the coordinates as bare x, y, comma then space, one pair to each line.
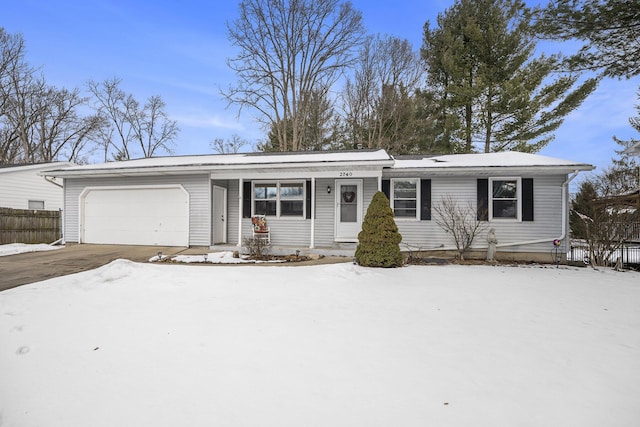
282, 258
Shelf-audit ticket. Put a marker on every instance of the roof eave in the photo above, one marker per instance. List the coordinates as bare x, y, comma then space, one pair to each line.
491, 170
207, 168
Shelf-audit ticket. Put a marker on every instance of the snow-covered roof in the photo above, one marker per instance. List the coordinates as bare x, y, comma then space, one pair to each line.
239, 160
507, 159
323, 160
34, 166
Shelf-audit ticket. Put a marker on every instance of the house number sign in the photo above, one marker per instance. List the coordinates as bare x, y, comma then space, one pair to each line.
346, 173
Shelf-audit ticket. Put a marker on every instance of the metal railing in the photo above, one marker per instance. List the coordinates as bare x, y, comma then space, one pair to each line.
628, 255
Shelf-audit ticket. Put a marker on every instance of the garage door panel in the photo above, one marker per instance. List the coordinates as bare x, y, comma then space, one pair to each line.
140, 216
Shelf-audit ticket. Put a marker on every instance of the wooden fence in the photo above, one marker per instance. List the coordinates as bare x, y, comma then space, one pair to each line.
29, 226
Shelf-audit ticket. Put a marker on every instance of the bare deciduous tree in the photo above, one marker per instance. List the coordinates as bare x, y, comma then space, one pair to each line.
460, 222
38, 123
377, 100
60, 131
133, 128
229, 146
287, 50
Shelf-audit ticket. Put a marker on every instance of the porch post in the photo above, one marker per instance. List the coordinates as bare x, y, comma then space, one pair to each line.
313, 212
240, 197
380, 181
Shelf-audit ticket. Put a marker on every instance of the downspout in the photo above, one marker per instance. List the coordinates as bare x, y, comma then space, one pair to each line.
61, 239
313, 212
565, 209
48, 179
240, 197
563, 235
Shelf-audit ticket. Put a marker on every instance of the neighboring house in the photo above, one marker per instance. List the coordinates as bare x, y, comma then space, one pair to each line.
316, 201
634, 149
23, 187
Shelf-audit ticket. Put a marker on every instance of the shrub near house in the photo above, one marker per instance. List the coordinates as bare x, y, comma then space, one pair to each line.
379, 239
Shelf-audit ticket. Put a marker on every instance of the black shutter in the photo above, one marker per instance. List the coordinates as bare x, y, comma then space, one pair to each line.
483, 200
425, 199
308, 200
246, 199
527, 199
386, 188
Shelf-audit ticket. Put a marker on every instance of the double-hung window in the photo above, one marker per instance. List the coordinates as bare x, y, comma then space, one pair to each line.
291, 199
265, 198
505, 196
404, 197
279, 198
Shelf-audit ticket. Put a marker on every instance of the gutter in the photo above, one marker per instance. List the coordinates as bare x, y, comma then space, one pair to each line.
49, 179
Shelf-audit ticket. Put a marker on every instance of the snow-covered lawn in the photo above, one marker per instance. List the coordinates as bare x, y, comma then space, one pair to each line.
133, 344
19, 248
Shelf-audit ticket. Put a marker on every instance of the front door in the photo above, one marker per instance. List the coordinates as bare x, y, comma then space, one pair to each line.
219, 215
348, 209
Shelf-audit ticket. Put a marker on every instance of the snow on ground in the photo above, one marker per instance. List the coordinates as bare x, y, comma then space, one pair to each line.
19, 248
133, 344
224, 257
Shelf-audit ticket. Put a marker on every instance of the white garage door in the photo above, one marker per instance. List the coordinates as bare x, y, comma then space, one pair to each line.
136, 216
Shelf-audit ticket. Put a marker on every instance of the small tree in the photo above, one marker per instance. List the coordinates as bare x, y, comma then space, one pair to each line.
601, 219
379, 239
458, 221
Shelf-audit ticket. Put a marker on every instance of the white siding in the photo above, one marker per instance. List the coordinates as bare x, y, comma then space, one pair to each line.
233, 212
547, 222
198, 187
284, 231
293, 231
325, 212
18, 185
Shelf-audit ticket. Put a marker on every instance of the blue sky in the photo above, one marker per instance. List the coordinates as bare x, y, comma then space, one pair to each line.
177, 49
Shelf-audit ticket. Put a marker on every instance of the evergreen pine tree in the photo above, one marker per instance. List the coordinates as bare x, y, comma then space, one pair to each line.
583, 210
494, 94
379, 239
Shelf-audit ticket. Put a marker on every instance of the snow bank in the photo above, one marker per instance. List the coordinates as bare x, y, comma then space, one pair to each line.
18, 248
145, 344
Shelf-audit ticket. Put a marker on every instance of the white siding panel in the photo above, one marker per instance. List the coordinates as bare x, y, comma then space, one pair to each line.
297, 232
233, 212
19, 186
325, 212
198, 187
547, 222
286, 232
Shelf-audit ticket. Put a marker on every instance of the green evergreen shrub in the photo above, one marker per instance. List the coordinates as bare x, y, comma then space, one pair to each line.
379, 239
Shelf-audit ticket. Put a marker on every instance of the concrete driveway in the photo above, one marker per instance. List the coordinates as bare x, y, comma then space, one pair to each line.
16, 270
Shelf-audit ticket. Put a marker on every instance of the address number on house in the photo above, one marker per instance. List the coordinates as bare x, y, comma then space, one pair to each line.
346, 173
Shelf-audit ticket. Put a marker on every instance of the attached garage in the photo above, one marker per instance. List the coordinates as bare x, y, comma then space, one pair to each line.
140, 215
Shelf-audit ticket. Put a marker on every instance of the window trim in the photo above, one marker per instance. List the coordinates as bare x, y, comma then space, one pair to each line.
278, 200
518, 198
392, 199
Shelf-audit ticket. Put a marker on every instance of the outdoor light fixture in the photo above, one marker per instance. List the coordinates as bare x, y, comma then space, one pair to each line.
328, 189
